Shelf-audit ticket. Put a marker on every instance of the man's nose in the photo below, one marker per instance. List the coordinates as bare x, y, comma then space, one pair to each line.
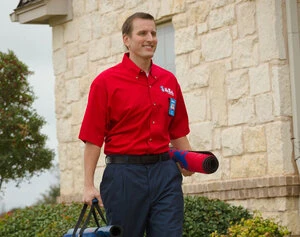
149, 36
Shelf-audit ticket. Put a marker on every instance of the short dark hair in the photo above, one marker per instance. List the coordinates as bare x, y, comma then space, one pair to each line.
127, 25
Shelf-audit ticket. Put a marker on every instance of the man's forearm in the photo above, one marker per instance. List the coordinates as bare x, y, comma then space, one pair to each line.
181, 143
91, 157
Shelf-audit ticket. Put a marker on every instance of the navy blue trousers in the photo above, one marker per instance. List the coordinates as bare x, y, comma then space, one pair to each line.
144, 198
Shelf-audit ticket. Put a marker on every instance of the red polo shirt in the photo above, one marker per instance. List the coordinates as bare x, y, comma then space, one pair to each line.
130, 111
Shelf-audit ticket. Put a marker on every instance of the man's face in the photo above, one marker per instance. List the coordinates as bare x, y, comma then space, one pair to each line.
142, 41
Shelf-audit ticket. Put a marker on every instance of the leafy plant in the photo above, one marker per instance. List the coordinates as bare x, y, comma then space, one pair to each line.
203, 216
50, 196
255, 227
23, 151
40, 221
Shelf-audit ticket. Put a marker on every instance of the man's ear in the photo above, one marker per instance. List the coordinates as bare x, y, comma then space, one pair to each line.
126, 40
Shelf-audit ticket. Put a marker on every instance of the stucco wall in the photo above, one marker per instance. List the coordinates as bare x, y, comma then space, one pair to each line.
232, 64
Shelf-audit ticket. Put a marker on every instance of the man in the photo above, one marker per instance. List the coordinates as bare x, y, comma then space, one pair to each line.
136, 108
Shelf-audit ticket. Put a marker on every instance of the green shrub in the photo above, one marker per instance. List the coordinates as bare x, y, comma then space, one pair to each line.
203, 216
40, 221
255, 227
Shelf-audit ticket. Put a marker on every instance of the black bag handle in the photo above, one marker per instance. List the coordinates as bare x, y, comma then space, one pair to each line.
92, 211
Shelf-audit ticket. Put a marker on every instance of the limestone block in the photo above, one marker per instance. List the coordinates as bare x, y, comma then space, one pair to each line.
217, 94
117, 45
197, 77
282, 90
217, 45
66, 183
179, 21
245, 53
254, 139
279, 147
72, 50
291, 219
63, 130
58, 37
62, 109
78, 8
198, 13
217, 138
202, 28
91, 5
202, 140
71, 31
237, 83
96, 26
195, 57
243, 203
224, 169
247, 166
85, 29
185, 40
78, 109
221, 17
246, 18
234, 32
84, 85
99, 48
182, 70
80, 65
73, 92
240, 111
232, 141
108, 6
264, 108
78, 175
59, 61
72, 154
274, 204
64, 162
259, 78
196, 103
270, 30
220, 3
109, 24
171, 7
75, 128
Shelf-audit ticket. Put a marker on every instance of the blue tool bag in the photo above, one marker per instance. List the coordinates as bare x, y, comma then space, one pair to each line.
84, 231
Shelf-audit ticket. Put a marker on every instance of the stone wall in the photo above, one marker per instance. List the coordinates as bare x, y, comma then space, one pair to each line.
232, 64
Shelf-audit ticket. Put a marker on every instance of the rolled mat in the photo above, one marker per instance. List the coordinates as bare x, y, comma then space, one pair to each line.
204, 162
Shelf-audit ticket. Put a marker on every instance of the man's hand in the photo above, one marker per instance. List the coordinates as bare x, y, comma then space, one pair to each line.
183, 171
89, 194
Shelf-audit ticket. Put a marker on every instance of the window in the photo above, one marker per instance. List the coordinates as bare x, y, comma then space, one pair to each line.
165, 55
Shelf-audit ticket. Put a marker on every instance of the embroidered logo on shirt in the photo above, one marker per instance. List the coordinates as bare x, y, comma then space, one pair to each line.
167, 90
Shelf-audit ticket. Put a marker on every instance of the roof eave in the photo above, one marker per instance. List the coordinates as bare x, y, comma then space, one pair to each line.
43, 12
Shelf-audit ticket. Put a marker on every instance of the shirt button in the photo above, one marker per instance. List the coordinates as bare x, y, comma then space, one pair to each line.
153, 122
154, 104
136, 77
150, 139
150, 86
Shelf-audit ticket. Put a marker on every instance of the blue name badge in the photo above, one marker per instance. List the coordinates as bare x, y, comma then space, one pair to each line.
172, 107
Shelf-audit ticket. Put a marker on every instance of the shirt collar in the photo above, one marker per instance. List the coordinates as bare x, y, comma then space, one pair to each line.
129, 64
